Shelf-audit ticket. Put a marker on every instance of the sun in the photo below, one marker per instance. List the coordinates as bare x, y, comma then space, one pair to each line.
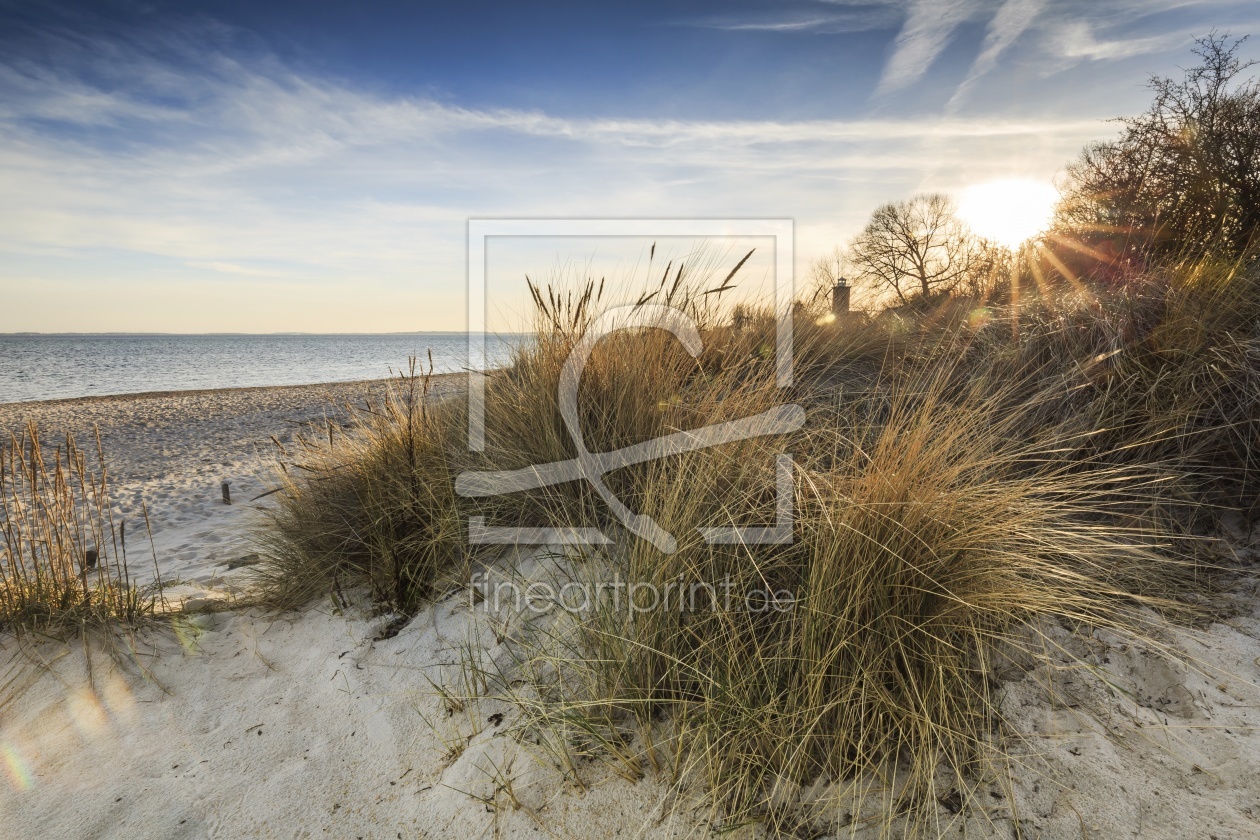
1009, 211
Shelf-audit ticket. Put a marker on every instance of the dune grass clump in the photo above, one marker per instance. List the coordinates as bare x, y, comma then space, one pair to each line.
925, 548
1182, 381
374, 505
63, 556
1159, 370
965, 474
377, 504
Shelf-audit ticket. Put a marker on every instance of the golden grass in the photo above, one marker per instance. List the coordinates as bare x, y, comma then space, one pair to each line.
1160, 372
63, 555
374, 506
924, 545
958, 482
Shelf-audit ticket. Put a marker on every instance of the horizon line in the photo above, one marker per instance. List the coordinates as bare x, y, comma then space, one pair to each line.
30, 333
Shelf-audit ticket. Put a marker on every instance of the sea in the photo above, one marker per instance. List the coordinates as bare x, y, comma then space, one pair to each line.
53, 367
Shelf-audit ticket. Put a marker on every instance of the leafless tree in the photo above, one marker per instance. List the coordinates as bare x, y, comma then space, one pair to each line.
914, 246
989, 267
824, 273
1183, 176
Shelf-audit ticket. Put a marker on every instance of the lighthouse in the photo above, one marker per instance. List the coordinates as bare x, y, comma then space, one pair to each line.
840, 298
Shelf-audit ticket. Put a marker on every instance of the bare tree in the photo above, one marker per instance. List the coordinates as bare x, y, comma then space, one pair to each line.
1184, 175
824, 273
989, 267
915, 246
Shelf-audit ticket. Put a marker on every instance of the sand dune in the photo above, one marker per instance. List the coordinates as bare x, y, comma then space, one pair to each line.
236, 724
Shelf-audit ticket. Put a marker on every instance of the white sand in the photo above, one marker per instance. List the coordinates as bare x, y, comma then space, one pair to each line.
173, 451
302, 726
297, 727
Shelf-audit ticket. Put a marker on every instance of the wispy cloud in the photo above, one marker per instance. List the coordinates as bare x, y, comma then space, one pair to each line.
1057, 33
1013, 19
1061, 33
200, 167
1077, 40
828, 19
928, 28
248, 271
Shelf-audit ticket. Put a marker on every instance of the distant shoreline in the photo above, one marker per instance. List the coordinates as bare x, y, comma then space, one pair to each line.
437, 378
44, 368
192, 335
237, 334
209, 435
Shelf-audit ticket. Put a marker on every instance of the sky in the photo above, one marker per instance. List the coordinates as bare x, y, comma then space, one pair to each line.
263, 167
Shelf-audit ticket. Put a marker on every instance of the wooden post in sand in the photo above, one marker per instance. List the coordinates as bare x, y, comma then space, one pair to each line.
227, 493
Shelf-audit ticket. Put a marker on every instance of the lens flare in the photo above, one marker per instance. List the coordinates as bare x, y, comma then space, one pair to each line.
1010, 211
19, 771
86, 713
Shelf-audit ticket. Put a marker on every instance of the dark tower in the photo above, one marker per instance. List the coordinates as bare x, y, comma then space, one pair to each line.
840, 298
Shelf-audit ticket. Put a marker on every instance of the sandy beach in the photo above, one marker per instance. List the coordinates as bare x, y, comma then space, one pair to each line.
345, 735
241, 723
173, 451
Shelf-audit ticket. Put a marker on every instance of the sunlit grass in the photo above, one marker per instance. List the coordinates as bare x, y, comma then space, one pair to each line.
969, 470
64, 563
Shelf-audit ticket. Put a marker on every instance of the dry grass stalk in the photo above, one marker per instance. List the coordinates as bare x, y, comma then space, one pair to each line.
63, 556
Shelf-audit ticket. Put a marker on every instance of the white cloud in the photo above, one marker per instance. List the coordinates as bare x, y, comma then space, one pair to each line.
929, 26
245, 171
842, 18
1077, 40
1061, 32
1013, 18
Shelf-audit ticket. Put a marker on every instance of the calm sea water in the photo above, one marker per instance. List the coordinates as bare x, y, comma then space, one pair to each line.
47, 367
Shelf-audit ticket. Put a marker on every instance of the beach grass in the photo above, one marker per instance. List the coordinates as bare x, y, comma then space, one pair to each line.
371, 505
64, 565
967, 472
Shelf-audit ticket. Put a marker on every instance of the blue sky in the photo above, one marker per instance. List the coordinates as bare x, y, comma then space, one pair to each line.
255, 166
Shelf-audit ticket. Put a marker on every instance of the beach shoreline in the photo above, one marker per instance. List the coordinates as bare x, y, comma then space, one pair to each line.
254, 414
440, 380
168, 455
92, 398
